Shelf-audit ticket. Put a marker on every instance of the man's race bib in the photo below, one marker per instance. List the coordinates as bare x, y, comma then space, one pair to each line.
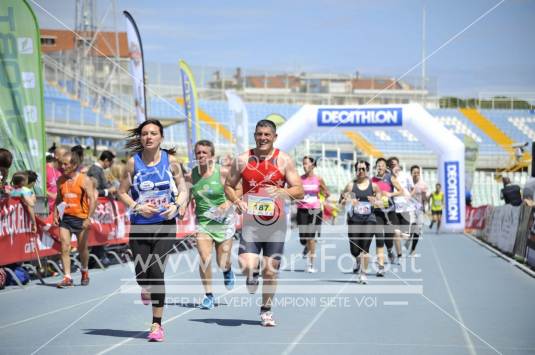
260, 205
403, 204
363, 208
159, 199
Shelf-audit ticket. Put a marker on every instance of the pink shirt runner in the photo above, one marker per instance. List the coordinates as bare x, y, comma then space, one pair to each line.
311, 185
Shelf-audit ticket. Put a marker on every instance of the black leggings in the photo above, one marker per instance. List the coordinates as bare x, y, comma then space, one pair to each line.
309, 223
415, 238
389, 221
151, 244
360, 236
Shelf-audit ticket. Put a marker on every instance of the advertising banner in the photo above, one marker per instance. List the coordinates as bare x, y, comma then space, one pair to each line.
22, 128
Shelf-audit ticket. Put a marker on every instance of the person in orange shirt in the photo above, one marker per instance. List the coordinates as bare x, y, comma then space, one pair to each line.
75, 204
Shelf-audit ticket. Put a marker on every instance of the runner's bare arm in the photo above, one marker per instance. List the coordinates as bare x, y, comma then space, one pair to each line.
90, 190
344, 195
295, 187
233, 179
238, 189
231, 183
323, 189
398, 189
59, 199
178, 175
125, 184
376, 198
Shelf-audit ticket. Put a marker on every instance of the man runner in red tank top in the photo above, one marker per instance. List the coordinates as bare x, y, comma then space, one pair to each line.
268, 177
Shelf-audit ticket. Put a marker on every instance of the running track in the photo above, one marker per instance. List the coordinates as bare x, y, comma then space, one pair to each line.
473, 302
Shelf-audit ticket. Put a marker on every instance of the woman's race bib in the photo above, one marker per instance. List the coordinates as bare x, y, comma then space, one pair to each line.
363, 208
159, 199
310, 198
260, 205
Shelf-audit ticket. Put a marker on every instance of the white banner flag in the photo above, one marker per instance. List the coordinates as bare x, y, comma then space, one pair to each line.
239, 121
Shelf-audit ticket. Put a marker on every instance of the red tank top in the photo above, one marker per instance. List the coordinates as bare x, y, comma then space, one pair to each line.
261, 173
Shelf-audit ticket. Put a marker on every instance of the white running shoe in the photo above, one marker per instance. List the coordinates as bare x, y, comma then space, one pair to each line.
266, 319
362, 279
311, 270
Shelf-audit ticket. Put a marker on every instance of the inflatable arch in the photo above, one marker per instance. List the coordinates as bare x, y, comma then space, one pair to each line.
413, 117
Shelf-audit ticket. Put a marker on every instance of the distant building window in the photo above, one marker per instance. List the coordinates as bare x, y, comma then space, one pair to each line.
48, 41
82, 42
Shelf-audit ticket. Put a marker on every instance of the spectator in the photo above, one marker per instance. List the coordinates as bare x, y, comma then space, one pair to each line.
511, 193
30, 183
529, 192
103, 188
116, 173
6, 159
96, 171
53, 174
20, 190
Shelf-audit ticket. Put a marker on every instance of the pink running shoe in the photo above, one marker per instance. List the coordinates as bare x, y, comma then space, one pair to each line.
266, 319
145, 297
156, 332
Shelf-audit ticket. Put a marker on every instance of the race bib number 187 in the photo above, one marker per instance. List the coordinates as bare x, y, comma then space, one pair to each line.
260, 205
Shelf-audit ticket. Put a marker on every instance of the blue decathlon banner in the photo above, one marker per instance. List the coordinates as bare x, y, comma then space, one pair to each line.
452, 192
360, 117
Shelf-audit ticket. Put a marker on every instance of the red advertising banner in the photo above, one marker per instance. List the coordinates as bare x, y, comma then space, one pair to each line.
110, 225
17, 243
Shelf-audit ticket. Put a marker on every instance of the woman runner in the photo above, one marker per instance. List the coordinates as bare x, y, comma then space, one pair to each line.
361, 195
153, 187
309, 213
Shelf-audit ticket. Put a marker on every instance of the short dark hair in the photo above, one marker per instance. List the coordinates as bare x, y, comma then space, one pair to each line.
49, 157
266, 123
32, 176
107, 155
390, 160
310, 159
362, 162
6, 158
206, 143
19, 179
414, 167
78, 150
380, 160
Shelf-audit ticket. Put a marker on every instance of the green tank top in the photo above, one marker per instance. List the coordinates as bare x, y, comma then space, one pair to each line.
208, 192
436, 201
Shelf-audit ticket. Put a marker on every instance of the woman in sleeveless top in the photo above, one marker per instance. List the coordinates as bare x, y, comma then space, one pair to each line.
361, 197
153, 188
215, 219
309, 211
386, 214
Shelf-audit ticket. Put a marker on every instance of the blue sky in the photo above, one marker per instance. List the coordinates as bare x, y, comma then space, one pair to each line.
375, 37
